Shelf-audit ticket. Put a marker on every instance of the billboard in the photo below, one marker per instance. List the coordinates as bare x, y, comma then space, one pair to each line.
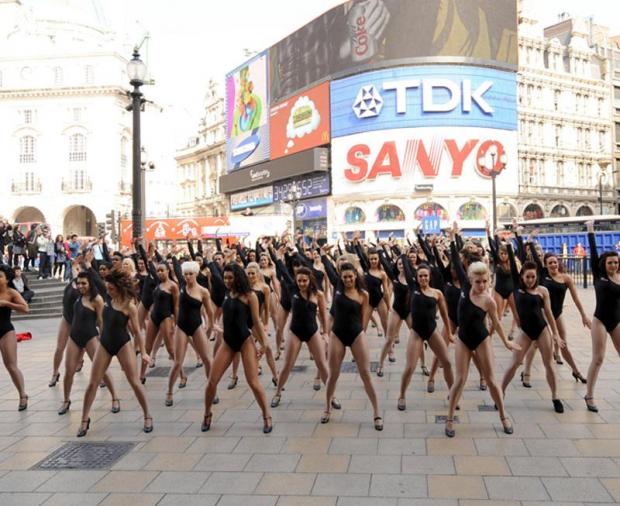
424, 96
363, 34
252, 198
310, 185
393, 162
170, 229
300, 122
247, 111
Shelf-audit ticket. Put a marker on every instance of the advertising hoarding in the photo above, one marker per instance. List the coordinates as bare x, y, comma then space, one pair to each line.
170, 229
251, 198
311, 185
393, 162
424, 96
247, 111
311, 209
363, 34
300, 122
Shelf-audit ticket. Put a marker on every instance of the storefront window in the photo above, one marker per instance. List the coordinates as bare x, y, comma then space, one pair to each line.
431, 209
506, 212
559, 211
585, 211
472, 211
533, 212
354, 215
389, 212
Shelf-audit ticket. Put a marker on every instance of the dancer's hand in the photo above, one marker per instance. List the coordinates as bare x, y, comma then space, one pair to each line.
512, 346
559, 341
146, 359
586, 321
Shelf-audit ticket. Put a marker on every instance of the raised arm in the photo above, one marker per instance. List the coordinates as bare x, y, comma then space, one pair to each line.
457, 264
513, 266
594, 259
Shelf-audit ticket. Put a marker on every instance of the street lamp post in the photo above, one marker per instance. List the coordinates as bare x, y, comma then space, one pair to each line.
493, 172
602, 176
136, 70
294, 194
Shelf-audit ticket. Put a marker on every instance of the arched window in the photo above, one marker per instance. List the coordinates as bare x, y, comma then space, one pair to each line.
27, 149
506, 212
390, 212
560, 211
533, 212
77, 148
472, 211
354, 215
431, 209
585, 211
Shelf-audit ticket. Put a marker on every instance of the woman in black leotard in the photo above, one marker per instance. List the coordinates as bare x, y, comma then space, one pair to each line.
87, 317
424, 302
268, 272
11, 300
351, 312
120, 315
240, 302
606, 312
558, 283
474, 305
164, 312
192, 299
534, 312
307, 303
377, 284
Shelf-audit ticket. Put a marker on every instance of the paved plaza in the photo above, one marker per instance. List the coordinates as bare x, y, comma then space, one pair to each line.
571, 458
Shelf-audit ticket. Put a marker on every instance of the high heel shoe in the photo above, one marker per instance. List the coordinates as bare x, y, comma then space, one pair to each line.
183, 382
23, 403
169, 402
268, 425
64, 408
80, 365
233, 382
116, 406
590, 405
526, 384
449, 431
206, 422
558, 359
83, 430
578, 377
148, 428
558, 406
54, 380
508, 429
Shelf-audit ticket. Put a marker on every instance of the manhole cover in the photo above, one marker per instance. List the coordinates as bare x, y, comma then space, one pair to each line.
352, 367
443, 418
486, 407
299, 368
96, 455
164, 371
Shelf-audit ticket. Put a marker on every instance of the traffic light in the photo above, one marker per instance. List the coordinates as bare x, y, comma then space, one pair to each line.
100, 229
110, 225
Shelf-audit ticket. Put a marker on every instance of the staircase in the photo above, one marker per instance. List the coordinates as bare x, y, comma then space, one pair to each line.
47, 301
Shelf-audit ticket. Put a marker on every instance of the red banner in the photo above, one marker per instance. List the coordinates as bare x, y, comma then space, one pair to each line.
171, 229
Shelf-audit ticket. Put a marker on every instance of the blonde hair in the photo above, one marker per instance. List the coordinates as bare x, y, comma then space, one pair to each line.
254, 266
190, 266
477, 269
128, 265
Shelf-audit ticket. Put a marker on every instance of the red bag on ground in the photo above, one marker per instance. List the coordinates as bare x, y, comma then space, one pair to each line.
23, 336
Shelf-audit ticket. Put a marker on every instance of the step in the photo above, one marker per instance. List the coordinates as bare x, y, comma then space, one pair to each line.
37, 310
39, 316
35, 304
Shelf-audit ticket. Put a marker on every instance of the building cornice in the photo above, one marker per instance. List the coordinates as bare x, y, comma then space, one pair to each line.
62, 92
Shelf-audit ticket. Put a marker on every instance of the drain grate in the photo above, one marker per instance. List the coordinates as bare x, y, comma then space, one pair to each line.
96, 455
351, 367
486, 407
443, 418
164, 371
299, 368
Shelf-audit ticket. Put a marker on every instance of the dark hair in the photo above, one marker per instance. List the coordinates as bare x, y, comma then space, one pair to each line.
304, 271
107, 265
603, 260
241, 284
553, 255
425, 266
347, 266
9, 274
529, 266
92, 289
123, 282
118, 254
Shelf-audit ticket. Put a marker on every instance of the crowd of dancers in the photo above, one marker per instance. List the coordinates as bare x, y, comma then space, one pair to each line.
220, 300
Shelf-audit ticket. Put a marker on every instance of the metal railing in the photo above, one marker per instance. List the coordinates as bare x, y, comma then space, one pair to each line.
76, 185
24, 186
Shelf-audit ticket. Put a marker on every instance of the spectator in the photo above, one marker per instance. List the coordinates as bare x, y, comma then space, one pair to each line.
3, 226
19, 247
31, 247
21, 285
61, 252
45, 249
74, 251
579, 251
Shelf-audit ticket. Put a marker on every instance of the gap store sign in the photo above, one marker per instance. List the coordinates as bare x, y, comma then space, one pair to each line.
424, 96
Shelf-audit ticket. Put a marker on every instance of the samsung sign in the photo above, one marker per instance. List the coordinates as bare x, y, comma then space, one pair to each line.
424, 96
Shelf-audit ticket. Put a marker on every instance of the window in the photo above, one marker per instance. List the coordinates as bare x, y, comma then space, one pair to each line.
76, 114
30, 181
577, 102
556, 100
27, 114
558, 135
79, 180
89, 74
602, 139
617, 125
588, 138
58, 76
579, 137
77, 148
601, 106
617, 93
27, 149
560, 175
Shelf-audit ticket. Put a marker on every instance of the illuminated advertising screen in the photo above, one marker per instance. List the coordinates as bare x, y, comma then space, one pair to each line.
300, 122
364, 34
424, 96
311, 185
247, 114
252, 198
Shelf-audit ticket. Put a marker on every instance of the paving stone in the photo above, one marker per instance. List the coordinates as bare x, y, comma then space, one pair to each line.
351, 446
318, 463
613, 487
24, 481
223, 483
499, 447
552, 448
591, 467
306, 445
22, 499
481, 466
189, 500
375, 464
264, 444
536, 466
286, 483
515, 489
276, 463
456, 487
286, 500
450, 446
69, 499
223, 462
598, 448
74, 481
172, 462
401, 447
177, 482
398, 485
427, 464
124, 481
576, 489
247, 500
133, 499
342, 484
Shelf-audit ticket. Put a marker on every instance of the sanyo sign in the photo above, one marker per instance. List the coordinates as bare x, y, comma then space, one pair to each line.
423, 96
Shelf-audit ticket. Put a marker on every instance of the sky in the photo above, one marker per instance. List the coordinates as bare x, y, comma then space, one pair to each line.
192, 41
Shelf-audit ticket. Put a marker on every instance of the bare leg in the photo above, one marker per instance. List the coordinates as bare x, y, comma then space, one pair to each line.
414, 349
72, 357
8, 349
517, 358
359, 350
91, 349
126, 358
101, 362
440, 349
336, 355
201, 346
221, 362
250, 367
151, 334
568, 356
61, 342
599, 344
180, 348
382, 309
291, 351
461, 362
487, 364
545, 346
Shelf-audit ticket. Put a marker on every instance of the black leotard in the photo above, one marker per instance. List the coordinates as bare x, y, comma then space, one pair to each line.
557, 294
374, 285
218, 290
162, 306
347, 318
114, 334
203, 280
189, 313
504, 285
606, 291
453, 295
400, 304
69, 296
319, 275
235, 316
5, 321
84, 324
529, 305
261, 302
423, 314
303, 319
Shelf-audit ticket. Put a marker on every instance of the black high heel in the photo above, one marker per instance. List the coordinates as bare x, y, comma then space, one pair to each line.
117, 408
449, 432
267, 427
148, 428
578, 377
206, 422
64, 408
526, 384
54, 380
80, 365
82, 432
508, 429
558, 406
23, 403
591, 406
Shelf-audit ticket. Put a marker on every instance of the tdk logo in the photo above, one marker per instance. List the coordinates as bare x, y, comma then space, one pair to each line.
437, 95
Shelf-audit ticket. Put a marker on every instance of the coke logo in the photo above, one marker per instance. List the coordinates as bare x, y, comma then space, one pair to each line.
361, 36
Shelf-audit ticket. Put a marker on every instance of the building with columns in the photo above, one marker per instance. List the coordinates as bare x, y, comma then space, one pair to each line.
66, 136
202, 161
566, 136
